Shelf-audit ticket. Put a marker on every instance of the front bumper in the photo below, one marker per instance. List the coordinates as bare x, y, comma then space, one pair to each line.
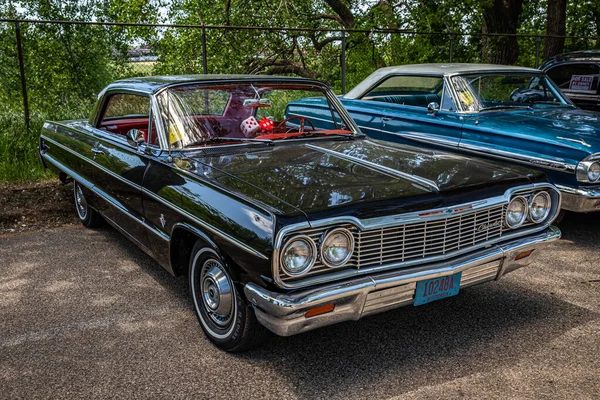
284, 314
582, 199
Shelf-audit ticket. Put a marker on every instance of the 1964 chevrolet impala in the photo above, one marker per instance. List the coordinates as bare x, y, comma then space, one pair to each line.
513, 114
283, 226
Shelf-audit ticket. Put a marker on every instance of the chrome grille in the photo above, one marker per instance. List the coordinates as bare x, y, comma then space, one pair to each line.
429, 238
413, 241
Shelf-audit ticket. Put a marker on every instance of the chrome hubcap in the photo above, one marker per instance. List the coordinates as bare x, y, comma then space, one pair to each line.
217, 293
80, 202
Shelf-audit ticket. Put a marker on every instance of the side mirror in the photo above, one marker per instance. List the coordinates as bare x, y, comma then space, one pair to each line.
135, 138
433, 108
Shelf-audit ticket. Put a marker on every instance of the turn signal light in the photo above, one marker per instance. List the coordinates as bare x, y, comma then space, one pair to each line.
319, 310
524, 254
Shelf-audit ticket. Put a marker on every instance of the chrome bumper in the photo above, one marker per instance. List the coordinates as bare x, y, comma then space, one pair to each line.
580, 199
283, 314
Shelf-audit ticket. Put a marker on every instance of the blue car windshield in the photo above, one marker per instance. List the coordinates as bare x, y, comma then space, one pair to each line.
485, 91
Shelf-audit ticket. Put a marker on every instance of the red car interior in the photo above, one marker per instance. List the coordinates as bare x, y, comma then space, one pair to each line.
123, 125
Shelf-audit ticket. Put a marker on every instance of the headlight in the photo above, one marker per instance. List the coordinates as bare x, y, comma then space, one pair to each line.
594, 172
539, 207
337, 247
516, 212
298, 255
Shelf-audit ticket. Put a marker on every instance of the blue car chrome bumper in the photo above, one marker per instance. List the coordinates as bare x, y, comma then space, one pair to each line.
285, 313
580, 199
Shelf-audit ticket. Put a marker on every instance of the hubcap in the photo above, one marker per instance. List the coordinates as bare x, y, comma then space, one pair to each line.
80, 202
217, 293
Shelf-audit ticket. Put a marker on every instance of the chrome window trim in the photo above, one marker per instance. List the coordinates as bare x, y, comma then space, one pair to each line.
429, 184
553, 88
403, 219
394, 74
100, 106
154, 196
328, 93
445, 88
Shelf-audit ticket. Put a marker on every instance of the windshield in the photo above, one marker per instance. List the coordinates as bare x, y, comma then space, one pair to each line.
198, 115
482, 92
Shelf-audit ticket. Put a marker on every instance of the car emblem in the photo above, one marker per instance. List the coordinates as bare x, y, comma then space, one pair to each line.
162, 220
488, 225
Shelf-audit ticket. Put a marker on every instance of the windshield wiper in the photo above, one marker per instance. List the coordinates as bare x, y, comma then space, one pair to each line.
501, 107
232, 139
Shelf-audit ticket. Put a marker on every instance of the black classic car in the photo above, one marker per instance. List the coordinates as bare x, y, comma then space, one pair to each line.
577, 74
282, 226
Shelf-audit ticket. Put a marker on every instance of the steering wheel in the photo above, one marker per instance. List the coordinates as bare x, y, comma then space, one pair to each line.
302, 121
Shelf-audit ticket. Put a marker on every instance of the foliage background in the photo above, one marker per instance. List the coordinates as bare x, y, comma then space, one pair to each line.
67, 65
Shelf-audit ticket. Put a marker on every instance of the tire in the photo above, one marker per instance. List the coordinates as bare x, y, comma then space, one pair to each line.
87, 215
559, 218
226, 319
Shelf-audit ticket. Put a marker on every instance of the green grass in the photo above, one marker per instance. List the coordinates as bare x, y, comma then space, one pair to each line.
19, 160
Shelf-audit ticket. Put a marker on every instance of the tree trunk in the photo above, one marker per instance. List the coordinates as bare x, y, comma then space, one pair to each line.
555, 25
502, 17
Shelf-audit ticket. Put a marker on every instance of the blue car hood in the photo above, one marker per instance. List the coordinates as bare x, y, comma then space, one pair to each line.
573, 128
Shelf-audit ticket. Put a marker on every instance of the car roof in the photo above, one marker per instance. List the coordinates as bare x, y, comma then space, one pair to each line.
430, 69
152, 84
585, 55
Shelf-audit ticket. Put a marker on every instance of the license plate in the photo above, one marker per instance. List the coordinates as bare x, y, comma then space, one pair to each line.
437, 289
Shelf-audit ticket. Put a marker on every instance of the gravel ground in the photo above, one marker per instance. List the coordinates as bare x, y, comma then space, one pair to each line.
85, 314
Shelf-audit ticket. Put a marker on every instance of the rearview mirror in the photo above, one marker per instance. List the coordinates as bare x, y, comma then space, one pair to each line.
257, 103
135, 137
433, 108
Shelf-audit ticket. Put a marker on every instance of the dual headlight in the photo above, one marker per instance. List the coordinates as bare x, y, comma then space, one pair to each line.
588, 171
536, 209
300, 252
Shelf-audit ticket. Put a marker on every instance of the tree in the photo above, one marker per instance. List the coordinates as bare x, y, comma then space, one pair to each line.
555, 26
501, 17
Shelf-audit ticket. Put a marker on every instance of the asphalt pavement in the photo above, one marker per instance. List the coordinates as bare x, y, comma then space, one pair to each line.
85, 314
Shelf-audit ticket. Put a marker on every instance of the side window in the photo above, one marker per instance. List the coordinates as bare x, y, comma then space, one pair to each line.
409, 90
576, 77
447, 102
125, 112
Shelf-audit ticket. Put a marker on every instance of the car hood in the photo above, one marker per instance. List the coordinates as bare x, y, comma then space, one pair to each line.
572, 128
356, 178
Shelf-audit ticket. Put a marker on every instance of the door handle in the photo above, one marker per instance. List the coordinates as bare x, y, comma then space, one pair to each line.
96, 150
386, 119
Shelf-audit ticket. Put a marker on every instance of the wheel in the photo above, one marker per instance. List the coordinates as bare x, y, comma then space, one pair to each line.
226, 319
87, 215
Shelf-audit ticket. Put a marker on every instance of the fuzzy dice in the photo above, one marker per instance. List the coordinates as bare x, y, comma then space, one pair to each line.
249, 126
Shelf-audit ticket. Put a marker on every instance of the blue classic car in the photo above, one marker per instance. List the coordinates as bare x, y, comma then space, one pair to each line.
509, 113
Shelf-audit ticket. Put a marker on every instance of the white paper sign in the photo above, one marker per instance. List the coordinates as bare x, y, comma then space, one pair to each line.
581, 82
